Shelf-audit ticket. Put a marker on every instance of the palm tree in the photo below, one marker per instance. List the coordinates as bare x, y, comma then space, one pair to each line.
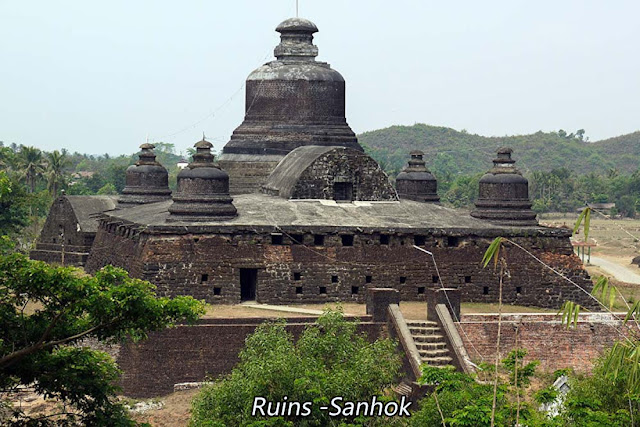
56, 163
33, 165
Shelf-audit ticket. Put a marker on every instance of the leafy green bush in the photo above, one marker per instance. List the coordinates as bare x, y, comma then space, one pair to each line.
329, 359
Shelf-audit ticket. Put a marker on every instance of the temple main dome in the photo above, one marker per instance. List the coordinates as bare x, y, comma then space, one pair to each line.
291, 102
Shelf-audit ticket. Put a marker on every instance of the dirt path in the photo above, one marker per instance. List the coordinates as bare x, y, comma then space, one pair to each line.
620, 272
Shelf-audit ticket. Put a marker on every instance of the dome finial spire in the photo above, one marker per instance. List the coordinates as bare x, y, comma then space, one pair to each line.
296, 40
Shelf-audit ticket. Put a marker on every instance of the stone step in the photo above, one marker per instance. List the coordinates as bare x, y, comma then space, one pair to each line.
431, 345
402, 389
433, 353
423, 330
437, 361
421, 323
428, 338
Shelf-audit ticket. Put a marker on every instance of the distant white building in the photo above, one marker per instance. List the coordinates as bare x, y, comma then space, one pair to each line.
182, 163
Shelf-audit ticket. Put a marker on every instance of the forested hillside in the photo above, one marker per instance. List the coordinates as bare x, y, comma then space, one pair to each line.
455, 152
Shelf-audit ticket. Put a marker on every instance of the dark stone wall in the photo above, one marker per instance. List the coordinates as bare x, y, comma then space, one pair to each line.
209, 266
196, 353
544, 337
62, 220
368, 180
118, 245
296, 101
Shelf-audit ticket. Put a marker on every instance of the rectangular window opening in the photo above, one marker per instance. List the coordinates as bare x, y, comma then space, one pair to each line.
318, 240
485, 290
217, 291
297, 276
403, 279
518, 290
323, 290
385, 239
467, 279
419, 240
342, 191
204, 278
355, 290
298, 290
453, 242
434, 279
334, 279
276, 239
347, 239
368, 279
420, 290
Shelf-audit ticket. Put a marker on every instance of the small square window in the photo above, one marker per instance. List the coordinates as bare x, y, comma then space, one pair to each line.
485, 290
420, 290
196, 240
276, 239
334, 279
467, 279
204, 278
347, 239
384, 239
419, 240
297, 239
518, 290
355, 290
297, 276
434, 279
368, 279
403, 279
298, 290
323, 290
453, 241
318, 240
217, 291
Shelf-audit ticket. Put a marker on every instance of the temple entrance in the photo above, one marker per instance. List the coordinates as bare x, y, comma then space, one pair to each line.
343, 191
248, 283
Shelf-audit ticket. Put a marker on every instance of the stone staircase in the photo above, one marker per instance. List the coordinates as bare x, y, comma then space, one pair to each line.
430, 342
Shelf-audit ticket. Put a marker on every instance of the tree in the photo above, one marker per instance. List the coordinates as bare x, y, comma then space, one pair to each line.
56, 163
33, 165
108, 189
46, 312
458, 399
14, 212
330, 359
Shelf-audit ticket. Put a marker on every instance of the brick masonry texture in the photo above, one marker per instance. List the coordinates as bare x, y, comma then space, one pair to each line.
195, 353
208, 266
545, 338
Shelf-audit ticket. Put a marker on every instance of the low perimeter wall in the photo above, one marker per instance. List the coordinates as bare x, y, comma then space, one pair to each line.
543, 335
193, 353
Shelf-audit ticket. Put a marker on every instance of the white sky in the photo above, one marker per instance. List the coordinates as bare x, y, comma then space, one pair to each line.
98, 77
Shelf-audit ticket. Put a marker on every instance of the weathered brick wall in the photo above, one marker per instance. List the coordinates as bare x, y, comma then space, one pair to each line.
208, 266
368, 179
545, 338
195, 353
61, 227
118, 245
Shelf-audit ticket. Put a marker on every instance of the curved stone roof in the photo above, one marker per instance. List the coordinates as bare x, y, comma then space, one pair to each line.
285, 176
87, 207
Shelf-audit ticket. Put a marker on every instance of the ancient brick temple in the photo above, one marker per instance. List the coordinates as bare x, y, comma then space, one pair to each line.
295, 211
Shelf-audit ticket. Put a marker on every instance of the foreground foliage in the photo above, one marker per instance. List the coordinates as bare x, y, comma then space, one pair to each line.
45, 314
329, 359
459, 400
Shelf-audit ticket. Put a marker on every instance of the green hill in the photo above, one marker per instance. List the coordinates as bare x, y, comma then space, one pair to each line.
452, 152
